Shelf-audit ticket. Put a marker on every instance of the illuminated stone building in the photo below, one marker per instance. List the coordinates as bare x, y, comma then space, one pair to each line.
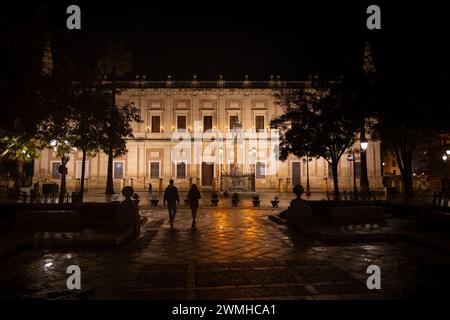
187, 135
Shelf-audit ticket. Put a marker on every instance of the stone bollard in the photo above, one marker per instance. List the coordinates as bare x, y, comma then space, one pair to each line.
299, 212
127, 214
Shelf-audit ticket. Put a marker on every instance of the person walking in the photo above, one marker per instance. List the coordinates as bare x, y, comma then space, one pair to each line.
171, 198
193, 196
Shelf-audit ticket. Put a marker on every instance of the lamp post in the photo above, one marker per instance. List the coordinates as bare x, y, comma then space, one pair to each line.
308, 188
364, 181
445, 157
351, 157
252, 156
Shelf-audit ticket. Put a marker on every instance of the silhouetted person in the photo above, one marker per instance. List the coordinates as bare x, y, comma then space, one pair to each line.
171, 198
193, 196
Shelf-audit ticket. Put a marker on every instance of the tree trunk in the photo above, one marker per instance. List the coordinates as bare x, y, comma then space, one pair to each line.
404, 161
364, 180
334, 168
63, 189
109, 177
18, 182
83, 173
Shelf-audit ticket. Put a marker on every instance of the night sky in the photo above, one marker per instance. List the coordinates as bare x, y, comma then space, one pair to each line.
260, 39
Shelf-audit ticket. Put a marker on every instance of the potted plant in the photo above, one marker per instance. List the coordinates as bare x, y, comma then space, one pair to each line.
214, 199
275, 202
256, 201
235, 200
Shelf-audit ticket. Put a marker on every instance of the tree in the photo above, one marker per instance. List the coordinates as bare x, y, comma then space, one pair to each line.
73, 119
58, 133
114, 61
407, 116
413, 107
21, 150
116, 128
19, 75
316, 122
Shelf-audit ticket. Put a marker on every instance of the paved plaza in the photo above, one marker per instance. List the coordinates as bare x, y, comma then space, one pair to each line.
234, 253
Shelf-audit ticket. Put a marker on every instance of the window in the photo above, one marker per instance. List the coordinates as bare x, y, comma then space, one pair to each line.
207, 123
181, 170
118, 169
154, 170
156, 124
233, 121
181, 122
55, 173
78, 170
259, 123
260, 170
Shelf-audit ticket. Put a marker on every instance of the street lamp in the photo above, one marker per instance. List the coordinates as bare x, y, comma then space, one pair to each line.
447, 152
308, 188
252, 156
364, 144
444, 157
364, 180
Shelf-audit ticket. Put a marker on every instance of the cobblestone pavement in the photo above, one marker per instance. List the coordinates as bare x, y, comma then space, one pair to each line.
235, 253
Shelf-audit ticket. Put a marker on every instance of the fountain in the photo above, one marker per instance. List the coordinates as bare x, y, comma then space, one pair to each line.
236, 180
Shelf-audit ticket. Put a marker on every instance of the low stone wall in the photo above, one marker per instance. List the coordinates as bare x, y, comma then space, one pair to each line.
50, 216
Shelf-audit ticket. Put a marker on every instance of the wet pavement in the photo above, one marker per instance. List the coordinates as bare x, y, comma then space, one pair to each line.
234, 253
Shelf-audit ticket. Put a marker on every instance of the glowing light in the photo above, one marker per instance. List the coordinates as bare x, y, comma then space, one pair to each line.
444, 157
364, 145
53, 143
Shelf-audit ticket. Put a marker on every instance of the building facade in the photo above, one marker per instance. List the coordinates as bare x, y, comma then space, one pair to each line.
203, 132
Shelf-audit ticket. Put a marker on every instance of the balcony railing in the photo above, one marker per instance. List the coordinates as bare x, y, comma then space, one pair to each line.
246, 84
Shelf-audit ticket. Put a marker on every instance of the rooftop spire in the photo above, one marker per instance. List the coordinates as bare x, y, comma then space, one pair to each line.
47, 60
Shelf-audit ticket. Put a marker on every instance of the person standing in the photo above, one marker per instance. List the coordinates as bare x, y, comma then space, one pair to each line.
171, 198
194, 196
